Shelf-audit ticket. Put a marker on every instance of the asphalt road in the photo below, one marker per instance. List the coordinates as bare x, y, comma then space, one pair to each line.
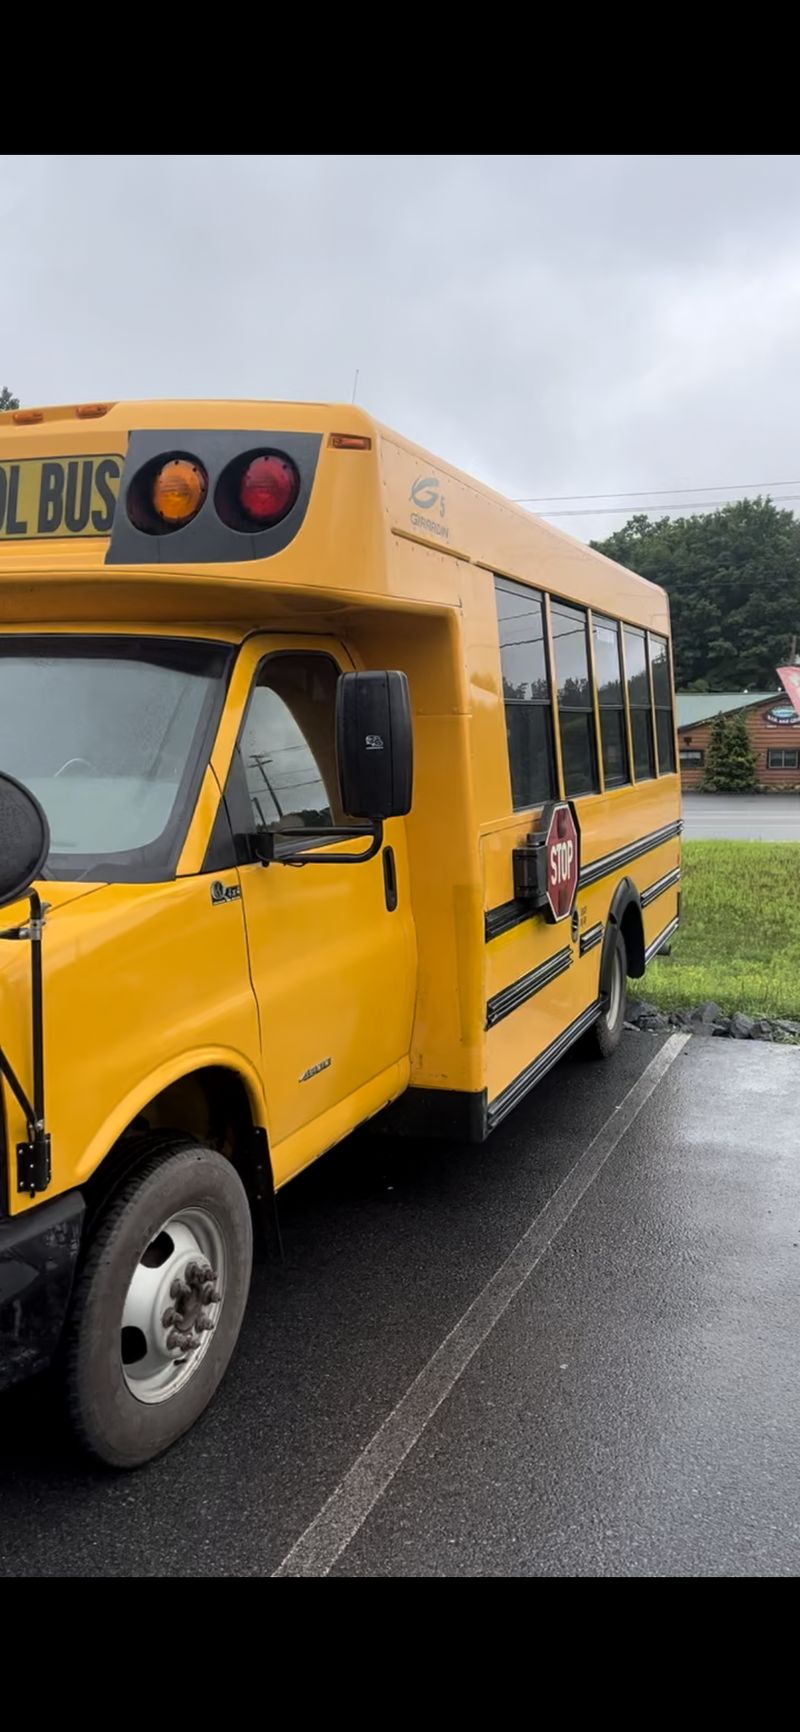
741, 817
621, 1400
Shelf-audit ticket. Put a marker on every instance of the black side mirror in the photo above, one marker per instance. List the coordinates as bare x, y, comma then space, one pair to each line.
374, 745
24, 839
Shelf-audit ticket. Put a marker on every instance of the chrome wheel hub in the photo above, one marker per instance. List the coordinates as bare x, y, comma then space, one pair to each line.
172, 1305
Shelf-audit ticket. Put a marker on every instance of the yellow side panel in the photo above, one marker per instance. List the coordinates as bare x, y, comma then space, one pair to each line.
429, 500
333, 973
521, 1037
337, 1121
142, 984
447, 1045
659, 915
524, 1034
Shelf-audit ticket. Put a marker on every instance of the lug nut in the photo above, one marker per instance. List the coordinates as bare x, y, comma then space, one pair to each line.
173, 1340
179, 1290
168, 1317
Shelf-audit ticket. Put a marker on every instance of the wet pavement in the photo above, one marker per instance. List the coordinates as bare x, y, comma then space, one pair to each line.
624, 1402
741, 817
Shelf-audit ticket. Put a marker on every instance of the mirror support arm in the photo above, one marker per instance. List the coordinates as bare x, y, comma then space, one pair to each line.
7, 1070
266, 852
34, 1166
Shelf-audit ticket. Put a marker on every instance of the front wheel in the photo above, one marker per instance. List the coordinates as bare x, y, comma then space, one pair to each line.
159, 1304
605, 1035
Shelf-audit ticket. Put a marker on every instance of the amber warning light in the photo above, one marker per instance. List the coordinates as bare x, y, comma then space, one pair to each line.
179, 489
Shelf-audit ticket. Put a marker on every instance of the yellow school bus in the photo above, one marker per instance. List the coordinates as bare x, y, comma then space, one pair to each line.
333, 786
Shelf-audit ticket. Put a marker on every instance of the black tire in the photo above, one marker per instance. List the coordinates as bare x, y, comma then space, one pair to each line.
108, 1420
605, 1035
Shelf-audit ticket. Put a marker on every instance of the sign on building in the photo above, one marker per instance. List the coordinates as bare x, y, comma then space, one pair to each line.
790, 680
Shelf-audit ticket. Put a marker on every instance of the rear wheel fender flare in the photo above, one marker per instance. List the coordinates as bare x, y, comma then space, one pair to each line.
625, 915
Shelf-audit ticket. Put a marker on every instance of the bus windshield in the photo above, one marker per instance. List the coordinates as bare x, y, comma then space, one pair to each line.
111, 735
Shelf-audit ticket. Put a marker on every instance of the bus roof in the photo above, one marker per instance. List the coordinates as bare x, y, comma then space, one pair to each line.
360, 468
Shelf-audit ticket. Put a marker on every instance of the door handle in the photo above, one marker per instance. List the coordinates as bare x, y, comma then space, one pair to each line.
390, 879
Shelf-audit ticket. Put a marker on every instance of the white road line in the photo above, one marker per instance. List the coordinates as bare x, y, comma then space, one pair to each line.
733, 818
337, 1523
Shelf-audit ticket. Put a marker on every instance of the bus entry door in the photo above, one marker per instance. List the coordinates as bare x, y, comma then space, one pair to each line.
332, 947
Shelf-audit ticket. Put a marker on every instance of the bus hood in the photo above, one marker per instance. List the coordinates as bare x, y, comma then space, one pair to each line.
54, 894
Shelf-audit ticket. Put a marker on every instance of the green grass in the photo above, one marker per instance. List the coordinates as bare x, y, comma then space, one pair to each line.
739, 938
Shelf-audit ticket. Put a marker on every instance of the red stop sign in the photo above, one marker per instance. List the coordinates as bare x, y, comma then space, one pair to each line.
562, 862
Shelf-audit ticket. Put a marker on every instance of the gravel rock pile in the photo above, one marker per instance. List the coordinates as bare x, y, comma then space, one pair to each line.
708, 1019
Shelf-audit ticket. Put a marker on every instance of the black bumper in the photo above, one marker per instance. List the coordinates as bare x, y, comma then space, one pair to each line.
38, 1257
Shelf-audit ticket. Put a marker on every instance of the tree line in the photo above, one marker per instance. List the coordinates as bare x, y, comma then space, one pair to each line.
733, 580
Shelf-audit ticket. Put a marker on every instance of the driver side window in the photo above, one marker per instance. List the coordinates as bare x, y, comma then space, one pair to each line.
287, 745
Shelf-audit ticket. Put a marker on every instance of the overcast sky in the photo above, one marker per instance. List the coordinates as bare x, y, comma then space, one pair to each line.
557, 325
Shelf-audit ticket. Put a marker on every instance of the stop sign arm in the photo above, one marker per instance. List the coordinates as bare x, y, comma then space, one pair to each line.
530, 869
547, 865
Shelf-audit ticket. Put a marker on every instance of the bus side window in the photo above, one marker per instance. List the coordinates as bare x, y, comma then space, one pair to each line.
644, 758
662, 697
575, 701
611, 698
526, 693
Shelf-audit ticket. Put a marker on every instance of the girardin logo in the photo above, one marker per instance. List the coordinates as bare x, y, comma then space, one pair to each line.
427, 496
225, 892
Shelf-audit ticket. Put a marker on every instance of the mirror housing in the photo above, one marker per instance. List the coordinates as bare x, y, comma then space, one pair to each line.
24, 839
375, 772
374, 745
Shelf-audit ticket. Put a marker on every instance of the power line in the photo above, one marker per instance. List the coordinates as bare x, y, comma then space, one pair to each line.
650, 492
659, 510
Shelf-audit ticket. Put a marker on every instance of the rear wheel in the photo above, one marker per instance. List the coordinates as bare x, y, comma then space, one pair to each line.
605, 1035
159, 1303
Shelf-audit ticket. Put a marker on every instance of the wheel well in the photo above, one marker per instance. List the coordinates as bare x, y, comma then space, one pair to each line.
211, 1106
631, 926
625, 913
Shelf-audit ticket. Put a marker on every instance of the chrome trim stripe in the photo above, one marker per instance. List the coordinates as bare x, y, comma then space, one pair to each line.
502, 1003
661, 885
591, 939
609, 863
527, 1079
507, 915
659, 942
